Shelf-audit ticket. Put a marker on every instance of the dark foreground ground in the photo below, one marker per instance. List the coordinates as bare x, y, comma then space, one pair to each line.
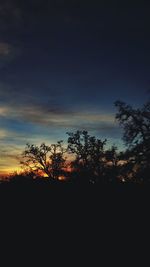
87, 222
45, 194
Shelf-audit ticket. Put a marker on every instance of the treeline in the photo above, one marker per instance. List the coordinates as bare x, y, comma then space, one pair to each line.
85, 158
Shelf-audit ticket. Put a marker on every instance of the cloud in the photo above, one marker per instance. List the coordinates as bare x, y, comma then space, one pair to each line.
9, 158
3, 133
24, 108
5, 49
50, 111
4, 111
56, 115
7, 53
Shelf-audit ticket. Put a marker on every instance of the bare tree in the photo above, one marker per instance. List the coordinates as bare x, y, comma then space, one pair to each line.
136, 125
88, 151
136, 122
45, 159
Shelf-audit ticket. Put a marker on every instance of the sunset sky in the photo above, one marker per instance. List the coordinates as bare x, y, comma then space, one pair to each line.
62, 66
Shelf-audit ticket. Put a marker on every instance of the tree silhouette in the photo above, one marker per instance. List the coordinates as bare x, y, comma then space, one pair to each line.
112, 158
88, 152
136, 122
57, 160
45, 159
136, 125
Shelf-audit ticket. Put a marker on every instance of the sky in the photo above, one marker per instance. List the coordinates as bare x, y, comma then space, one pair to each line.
63, 64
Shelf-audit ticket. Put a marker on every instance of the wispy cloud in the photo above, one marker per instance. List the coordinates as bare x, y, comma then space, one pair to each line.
43, 115
7, 53
4, 111
5, 49
9, 157
3, 133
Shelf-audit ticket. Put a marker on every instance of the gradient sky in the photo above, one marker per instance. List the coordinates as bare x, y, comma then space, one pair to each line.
62, 66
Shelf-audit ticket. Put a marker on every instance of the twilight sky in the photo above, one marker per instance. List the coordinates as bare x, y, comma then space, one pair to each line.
62, 66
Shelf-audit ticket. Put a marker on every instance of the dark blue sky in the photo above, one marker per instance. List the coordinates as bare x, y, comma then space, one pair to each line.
62, 66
